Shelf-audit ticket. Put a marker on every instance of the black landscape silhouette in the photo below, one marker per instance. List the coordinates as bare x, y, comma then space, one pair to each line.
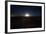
25, 22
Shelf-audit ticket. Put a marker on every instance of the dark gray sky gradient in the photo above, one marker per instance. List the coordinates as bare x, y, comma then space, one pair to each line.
18, 10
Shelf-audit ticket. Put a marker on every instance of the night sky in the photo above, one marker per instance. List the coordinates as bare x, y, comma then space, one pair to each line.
19, 10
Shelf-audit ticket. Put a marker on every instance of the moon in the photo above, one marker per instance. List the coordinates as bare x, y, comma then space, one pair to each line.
27, 15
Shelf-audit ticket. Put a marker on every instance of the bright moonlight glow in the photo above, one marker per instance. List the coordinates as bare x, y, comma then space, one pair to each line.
27, 15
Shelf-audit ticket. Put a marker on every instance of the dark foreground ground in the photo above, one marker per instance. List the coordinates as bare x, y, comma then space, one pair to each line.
25, 22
